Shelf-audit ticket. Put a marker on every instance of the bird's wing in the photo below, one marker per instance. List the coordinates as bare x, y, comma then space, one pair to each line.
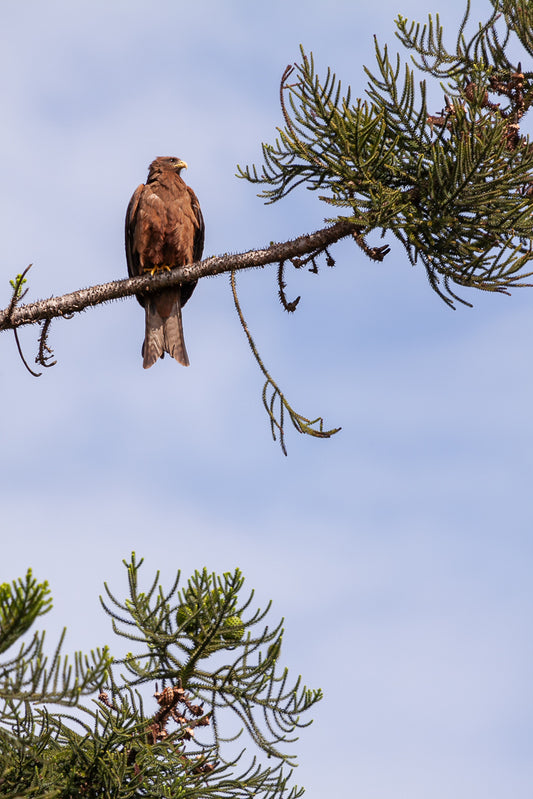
131, 257
199, 233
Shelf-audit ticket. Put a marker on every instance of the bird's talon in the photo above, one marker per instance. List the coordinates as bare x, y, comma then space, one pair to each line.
153, 269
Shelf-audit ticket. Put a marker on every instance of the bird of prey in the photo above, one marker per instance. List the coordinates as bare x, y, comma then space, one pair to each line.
164, 229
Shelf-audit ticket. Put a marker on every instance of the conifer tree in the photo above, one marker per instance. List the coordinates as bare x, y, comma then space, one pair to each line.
98, 728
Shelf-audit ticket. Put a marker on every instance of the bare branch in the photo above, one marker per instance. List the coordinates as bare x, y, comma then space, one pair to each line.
14, 317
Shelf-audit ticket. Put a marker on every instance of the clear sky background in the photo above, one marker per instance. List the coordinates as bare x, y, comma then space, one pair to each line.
399, 552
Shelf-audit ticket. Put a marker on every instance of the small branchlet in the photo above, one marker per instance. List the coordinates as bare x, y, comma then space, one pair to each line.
276, 412
17, 284
16, 297
21, 355
45, 352
271, 392
298, 263
374, 253
289, 306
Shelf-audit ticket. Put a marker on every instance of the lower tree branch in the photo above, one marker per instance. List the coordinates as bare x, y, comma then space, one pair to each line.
15, 316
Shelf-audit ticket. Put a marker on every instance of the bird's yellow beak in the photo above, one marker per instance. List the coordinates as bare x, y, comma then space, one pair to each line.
181, 164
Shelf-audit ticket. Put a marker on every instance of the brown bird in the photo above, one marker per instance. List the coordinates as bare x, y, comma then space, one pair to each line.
164, 229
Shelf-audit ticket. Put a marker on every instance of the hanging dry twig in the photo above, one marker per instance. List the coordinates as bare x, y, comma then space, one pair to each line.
45, 352
289, 305
311, 427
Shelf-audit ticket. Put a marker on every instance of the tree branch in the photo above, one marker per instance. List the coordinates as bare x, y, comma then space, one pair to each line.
13, 317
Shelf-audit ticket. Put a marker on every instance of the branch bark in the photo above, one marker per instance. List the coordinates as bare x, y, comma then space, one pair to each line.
76, 301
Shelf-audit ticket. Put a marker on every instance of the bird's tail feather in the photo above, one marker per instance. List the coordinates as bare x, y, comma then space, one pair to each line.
163, 334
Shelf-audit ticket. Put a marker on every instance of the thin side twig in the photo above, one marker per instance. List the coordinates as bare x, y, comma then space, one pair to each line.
310, 427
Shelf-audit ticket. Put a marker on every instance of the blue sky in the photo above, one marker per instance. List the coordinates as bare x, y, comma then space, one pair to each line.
399, 552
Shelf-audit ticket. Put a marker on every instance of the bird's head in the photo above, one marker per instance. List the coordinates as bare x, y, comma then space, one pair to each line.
164, 163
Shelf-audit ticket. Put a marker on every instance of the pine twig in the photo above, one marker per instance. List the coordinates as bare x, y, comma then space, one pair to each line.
301, 423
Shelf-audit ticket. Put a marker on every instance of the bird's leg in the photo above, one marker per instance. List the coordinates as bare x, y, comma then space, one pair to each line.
154, 269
